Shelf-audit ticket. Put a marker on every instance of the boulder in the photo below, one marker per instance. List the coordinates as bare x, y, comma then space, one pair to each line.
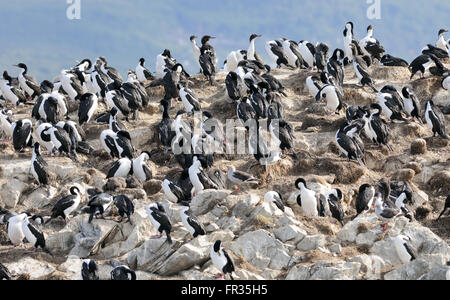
72, 268
207, 200
367, 238
152, 187
262, 250
18, 169
326, 271
91, 237
419, 147
353, 228
40, 198
312, 242
290, 232
187, 256
440, 182
128, 237
151, 251
338, 271
37, 270
371, 265
246, 205
405, 175
11, 191
430, 267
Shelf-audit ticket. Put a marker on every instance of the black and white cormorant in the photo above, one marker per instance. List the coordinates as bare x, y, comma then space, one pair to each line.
405, 251
222, 260
379, 129
34, 235
360, 66
123, 273
121, 168
436, 120
195, 50
275, 198
307, 199
22, 134
441, 42
62, 142
39, 167
423, 63
240, 177
321, 56
125, 207
365, 199
371, 46
190, 222
412, 104
140, 168
110, 72
294, 56
89, 270
348, 146
142, 73
391, 103
438, 52
190, 102
207, 59
245, 110
88, 106
66, 205
174, 192
235, 85
332, 98
98, 205
277, 53
391, 61
28, 83
158, 217
166, 132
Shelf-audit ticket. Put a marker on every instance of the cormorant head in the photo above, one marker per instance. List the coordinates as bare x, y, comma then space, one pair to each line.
442, 31
217, 246
22, 66
406, 92
86, 62
147, 154
75, 191
299, 182
206, 39
254, 36
207, 115
46, 86
376, 106
167, 53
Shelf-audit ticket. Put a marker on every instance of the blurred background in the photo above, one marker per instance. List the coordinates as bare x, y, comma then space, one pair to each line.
40, 34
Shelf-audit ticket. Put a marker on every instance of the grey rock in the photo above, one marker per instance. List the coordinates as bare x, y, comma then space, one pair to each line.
312, 242
262, 250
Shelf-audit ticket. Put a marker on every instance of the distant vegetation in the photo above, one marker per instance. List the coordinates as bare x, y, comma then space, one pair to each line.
39, 34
